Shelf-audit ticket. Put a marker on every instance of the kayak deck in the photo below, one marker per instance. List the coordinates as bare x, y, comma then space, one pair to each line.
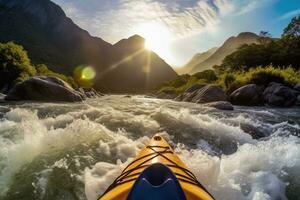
156, 151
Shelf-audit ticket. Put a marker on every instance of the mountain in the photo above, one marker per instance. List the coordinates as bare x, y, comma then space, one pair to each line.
143, 68
197, 59
51, 38
229, 46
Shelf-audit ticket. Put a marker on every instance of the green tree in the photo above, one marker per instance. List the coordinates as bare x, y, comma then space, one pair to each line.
264, 37
207, 75
14, 64
293, 29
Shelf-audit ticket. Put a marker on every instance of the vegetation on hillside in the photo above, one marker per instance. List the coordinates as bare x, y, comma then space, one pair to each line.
271, 60
15, 66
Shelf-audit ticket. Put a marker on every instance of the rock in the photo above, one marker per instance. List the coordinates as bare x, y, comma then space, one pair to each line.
194, 87
2, 97
297, 87
298, 101
252, 130
43, 88
207, 94
90, 92
165, 96
179, 97
190, 92
279, 95
248, 95
221, 105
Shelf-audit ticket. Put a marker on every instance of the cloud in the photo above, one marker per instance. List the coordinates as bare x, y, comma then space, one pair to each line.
114, 19
290, 14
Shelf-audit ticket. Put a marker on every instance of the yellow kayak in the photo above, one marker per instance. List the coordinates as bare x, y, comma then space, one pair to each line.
156, 173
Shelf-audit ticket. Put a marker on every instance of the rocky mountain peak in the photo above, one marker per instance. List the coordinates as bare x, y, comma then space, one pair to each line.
45, 10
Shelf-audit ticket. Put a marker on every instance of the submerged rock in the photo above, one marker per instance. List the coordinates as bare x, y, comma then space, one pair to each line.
248, 95
252, 130
279, 95
43, 88
221, 105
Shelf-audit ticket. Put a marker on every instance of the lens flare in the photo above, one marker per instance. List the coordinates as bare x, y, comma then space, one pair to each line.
88, 73
84, 76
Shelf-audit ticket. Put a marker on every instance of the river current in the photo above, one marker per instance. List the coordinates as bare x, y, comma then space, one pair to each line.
74, 151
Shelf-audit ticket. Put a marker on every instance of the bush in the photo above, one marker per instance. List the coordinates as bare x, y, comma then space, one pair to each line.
167, 90
42, 70
15, 67
14, 64
260, 76
208, 75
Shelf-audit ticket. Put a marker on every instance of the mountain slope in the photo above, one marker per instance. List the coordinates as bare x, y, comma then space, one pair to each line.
143, 68
229, 46
50, 37
197, 59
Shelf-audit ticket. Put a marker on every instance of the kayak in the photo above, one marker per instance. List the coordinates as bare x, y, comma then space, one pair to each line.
156, 173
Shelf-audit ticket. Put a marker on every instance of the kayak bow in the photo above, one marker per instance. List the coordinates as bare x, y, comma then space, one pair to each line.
156, 173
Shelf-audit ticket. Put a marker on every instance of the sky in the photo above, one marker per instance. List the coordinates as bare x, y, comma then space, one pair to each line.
178, 29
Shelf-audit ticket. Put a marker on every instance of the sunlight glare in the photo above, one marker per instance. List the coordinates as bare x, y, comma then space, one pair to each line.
158, 38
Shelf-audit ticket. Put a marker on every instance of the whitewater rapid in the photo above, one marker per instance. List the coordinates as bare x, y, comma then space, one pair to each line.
75, 150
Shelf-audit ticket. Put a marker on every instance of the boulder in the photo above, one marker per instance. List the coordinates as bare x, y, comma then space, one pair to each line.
179, 97
190, 92
90, 92
2, 97
221, 105
194, 87
298, 101
248, 95
279, 95
297, 87
43, 88
162, 95
255, 132
207, 94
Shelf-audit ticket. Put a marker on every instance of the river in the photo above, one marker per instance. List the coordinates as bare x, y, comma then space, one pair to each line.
75, 150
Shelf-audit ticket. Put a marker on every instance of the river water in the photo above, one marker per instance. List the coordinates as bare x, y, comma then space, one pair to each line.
75, 150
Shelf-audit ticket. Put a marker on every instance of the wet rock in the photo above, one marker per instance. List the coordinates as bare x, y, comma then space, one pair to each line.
252, 130
297, 87
179, 97
165, 96
195, 87
298, 101
221, 105
2, 97
43, 88
248, 95
207, 94
279, 95
90, 92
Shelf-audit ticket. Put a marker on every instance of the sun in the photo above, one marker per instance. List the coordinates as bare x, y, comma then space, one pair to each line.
158, 38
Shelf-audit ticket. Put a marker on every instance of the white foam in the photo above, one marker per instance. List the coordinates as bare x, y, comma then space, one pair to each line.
253, 172
205, 122
101, 175
34, 139
257, 170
